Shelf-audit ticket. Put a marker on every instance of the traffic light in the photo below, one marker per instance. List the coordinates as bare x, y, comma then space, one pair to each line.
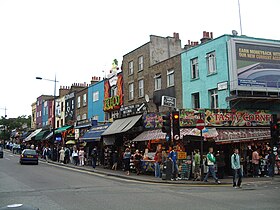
166, 126
274, 132
176, 124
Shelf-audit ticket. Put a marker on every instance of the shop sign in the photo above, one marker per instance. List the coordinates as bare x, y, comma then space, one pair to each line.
188, 117
237, 118
168, 101
132, 110
153, 120
182, 155
112, 103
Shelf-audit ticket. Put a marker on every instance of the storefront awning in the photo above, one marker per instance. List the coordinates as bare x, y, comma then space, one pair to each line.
83, 126
227, 136
34, 133
150, 135
206, 132
62, 129
41, 135
94, 134
121, 125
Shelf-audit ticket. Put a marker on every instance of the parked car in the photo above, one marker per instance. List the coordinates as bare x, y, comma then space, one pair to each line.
29, 156
1, 151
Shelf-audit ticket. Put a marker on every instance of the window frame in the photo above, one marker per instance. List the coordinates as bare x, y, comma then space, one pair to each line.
214, 98
195, 101
130, 68
157, 78
194, 68
84, 99
95, 96
211, 57
168, 76
141, 63
131, 97
140, 90
78, 102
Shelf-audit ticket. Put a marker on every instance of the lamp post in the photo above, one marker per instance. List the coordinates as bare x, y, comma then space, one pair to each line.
5, 126
54, 97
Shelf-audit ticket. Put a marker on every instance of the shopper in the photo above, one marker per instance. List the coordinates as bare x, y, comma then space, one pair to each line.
75, 156
220, 158
61, 155
211, 160
137, 161
271, 163
237, 172
173, 157
126, 160
197, 176
255, 163
158, 161
115, 160
94, 157
82, 156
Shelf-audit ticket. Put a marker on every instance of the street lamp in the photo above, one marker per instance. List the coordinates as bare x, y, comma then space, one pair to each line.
54, 97
5, 126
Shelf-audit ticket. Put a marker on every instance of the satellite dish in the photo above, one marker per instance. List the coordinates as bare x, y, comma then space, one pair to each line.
147, 99
234, 32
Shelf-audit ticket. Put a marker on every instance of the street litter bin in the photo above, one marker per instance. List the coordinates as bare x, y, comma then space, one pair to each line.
167, 170
18, 207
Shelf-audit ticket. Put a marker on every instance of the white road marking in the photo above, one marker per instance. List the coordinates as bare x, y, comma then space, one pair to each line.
7, 158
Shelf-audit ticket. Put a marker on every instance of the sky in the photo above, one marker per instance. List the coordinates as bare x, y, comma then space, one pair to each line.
75, 40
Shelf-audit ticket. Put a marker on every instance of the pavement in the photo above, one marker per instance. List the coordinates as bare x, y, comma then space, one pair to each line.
149, 178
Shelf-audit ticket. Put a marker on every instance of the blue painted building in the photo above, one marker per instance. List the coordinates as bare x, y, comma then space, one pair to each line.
230, 71
95, 101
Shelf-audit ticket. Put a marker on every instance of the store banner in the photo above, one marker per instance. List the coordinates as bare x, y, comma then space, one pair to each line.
188, 117
153, 120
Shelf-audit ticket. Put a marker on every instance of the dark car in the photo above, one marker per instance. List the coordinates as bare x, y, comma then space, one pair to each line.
1, 151
29, 156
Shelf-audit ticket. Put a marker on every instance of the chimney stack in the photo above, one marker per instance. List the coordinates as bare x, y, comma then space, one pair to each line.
207, 36
94, 80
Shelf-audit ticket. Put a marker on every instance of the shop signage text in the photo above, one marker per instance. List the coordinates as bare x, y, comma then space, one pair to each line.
112, 103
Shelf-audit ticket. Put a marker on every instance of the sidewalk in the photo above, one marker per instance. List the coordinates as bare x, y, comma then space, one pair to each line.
151, 179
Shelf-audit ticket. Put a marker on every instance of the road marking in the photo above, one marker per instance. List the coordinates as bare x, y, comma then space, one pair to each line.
7, 158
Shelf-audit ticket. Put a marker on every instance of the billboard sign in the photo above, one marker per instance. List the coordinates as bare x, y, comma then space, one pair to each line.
255, 65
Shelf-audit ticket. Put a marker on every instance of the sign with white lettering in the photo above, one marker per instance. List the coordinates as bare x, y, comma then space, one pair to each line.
168, 101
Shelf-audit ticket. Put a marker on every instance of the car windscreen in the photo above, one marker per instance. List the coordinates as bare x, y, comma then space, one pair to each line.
29, 152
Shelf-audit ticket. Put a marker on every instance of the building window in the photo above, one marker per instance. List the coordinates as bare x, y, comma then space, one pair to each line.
79, 102
141, 88
95, 96
95, 117
78, 117
140, 63
195, 100
194, 68
211, 63
73, 103
62, 106
130, 68
40, 113
214, 99
84, 116
157, 82
170, 78
84, 99
131, 91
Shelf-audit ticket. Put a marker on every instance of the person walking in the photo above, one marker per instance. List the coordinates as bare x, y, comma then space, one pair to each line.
75, 156
115, 160
237, 172
255, 163
94, 157
61, 155
220, 159
173, 157
158, 162
82, 156
126, 160
197, 175
211, 160
137, 161
271, 163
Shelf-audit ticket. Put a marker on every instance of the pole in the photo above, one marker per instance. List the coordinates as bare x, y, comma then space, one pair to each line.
54, 108
240, 22
201, 154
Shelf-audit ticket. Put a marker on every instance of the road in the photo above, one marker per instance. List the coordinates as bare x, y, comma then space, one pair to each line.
51, 187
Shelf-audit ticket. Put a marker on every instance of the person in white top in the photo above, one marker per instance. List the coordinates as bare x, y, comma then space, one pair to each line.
82, 157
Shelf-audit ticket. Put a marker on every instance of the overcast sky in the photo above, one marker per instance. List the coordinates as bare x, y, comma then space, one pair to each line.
76, 40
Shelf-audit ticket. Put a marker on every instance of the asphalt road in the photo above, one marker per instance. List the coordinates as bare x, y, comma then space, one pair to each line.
49, 187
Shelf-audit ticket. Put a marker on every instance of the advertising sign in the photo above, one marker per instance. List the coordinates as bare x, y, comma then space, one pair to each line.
188, 117
168, 101
236, 118
256, 65
182, 155
152, 120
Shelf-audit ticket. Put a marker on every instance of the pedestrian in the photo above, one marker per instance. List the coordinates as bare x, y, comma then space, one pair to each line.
82, 156
115, 160
94, 157
271, 163
67, 155
137, 161
173, 157
255, 163
197, 175
126, 160
237, 172
158, 162
61, 155
211, 160
75, 156
220, 158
